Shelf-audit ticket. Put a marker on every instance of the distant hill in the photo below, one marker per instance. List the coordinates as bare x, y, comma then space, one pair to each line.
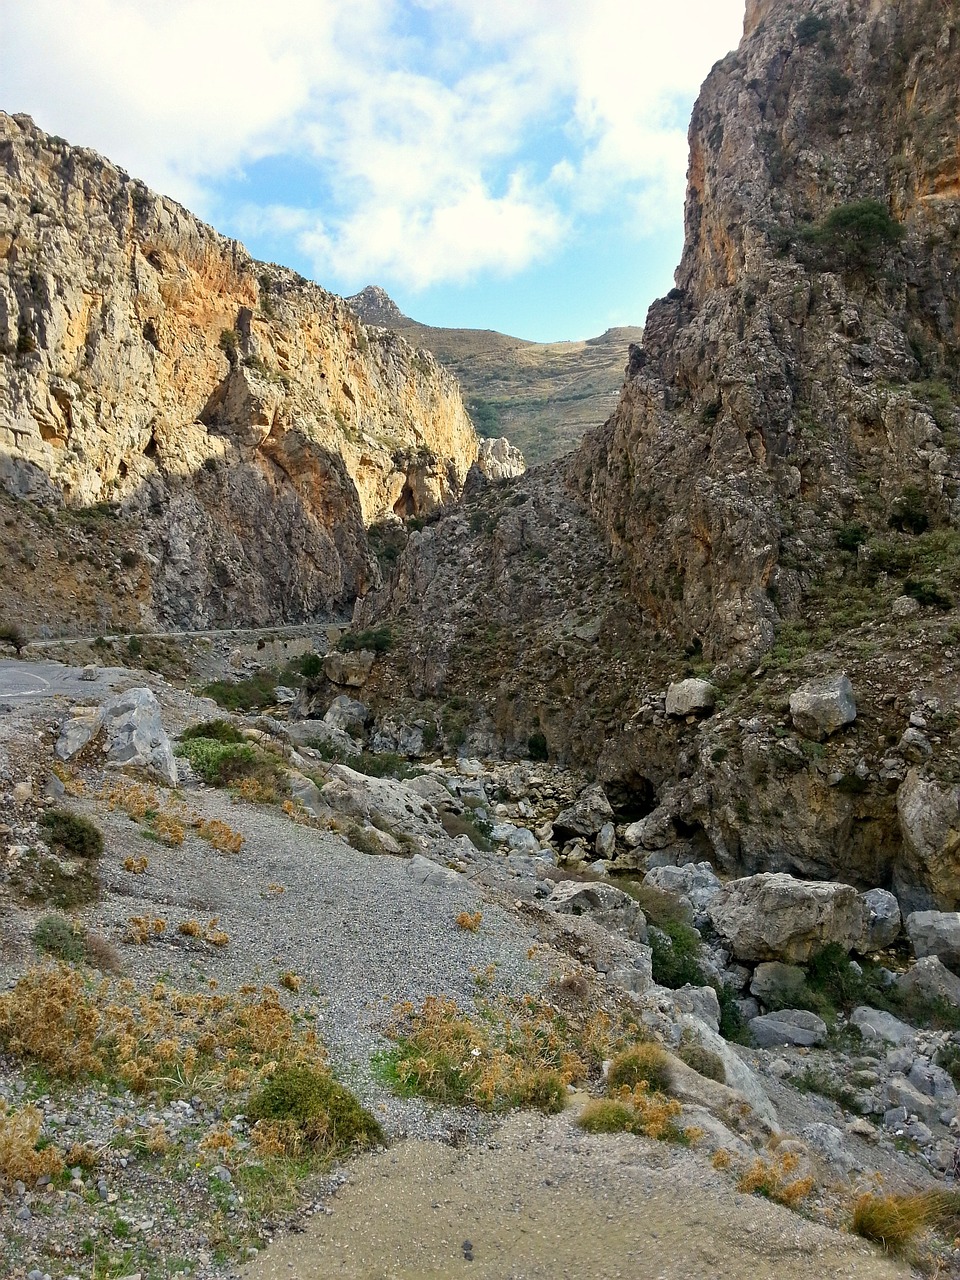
542, 395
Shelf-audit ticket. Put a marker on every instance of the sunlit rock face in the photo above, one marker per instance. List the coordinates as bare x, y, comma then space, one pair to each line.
244, 413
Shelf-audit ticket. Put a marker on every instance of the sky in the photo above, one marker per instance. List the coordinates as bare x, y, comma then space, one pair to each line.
506, 164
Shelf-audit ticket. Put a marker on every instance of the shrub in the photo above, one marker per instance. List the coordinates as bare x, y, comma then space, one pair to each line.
643, 1062
775, 1180
23, 1157
14, 636
909, 513
251, 694
927, 592
41, 877
675, 949
851, 536
229, 344
56, 936
224, 764
853, 236
308, 1110
216, 730
311, 666
704, 1061
378, 640
893, 1221
72, 835
605, 1115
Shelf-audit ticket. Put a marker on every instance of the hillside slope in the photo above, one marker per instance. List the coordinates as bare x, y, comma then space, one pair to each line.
544, 396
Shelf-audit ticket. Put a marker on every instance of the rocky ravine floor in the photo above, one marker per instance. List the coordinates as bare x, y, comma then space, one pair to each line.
532, 1196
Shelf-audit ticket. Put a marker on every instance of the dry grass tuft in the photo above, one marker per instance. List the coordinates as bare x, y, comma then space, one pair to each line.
776, 1180
141, 929
895, 1221
190, 928
136, 866
20, 1159
168, 830
640, 1064
290, 980
469, 921
219, 834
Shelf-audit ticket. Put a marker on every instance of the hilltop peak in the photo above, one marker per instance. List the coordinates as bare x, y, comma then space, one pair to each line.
375, 306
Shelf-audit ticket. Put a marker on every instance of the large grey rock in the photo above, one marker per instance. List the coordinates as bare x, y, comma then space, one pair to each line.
739, 1075
430, 788
702, 1002
606, 842
320, 733
900, 1092
655, 831
788, 1026
389, 805
424, 871
134, 734
927, 874
830, 1142
876, 1024
821, 707
499, 460
930, 979
695, 883
932, 1081
881, 923
80, 727
690, 698
348, 715
774, 916
936, 933
607, 906
585, 817
777, 985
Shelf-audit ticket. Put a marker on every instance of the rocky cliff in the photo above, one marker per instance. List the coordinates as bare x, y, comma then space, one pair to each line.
797, 391
775, 499
241, 418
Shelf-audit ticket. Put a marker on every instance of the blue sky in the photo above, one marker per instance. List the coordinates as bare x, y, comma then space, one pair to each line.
507, 164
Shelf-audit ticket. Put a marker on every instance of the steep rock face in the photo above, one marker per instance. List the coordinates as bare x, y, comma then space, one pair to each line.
243, 415
802, 376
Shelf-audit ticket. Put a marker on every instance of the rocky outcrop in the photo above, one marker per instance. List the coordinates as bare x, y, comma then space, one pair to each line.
244, 417
821, 707
800, 379
928, 872
128, 730
775, 917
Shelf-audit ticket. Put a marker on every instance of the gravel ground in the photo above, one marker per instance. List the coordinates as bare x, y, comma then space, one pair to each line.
535, 1197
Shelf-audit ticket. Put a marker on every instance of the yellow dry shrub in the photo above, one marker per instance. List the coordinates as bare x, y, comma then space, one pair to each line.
721, 1159
19, 1158
656, 1114
776, 1180
136, 865
214, 934
170, 1039
73, 784
469, 921
136, 800
140, 929
290, 980
189, 928
217, 1141
220, 835
894, 1221
157, 1140
169, 829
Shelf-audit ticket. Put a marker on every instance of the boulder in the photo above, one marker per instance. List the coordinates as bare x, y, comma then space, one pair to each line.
821, 707
788, 1026
875, 1024
606, 842
933, 1081
348, 715
695, 883
690, 698
930, 979
740, 1077
134, 735
936, 933
607, 906
777, 985
702, 1002
387, 804
655, 831
774, 916
900, 1092
80, 727
881, 924
424, 871
927, 874
586, 817
307, 733
350, 670
429, 787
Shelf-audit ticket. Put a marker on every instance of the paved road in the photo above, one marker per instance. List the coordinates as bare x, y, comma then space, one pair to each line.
26, 681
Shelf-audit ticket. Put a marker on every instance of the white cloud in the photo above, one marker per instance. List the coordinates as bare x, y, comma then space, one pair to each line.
416, 120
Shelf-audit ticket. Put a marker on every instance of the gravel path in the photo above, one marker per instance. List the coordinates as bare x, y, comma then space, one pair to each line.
543, 1201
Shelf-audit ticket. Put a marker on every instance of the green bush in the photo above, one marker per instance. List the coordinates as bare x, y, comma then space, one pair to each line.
42, 878
851, 536
311, 666
378, 640
224, 764
647, 1062
56, 936
676, 948
927, 592
72, 835
910, 511
853, 236
312, 1112
603, 1115
704, 1061
252, 694
214, 730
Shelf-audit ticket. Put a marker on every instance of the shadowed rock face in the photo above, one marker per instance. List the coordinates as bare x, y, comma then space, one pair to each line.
244, 416
803, 373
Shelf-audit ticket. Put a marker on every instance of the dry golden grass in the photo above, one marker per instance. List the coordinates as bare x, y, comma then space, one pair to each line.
721, 1159
141, 929
219, 834
190, 928
137, 866
169, 830
776, 1180
895, 1221
469, 921
169, 1040
290, 980
20, 1160
516, 1052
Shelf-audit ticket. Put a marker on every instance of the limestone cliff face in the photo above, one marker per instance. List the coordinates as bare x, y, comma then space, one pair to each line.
243, 414
802, 377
